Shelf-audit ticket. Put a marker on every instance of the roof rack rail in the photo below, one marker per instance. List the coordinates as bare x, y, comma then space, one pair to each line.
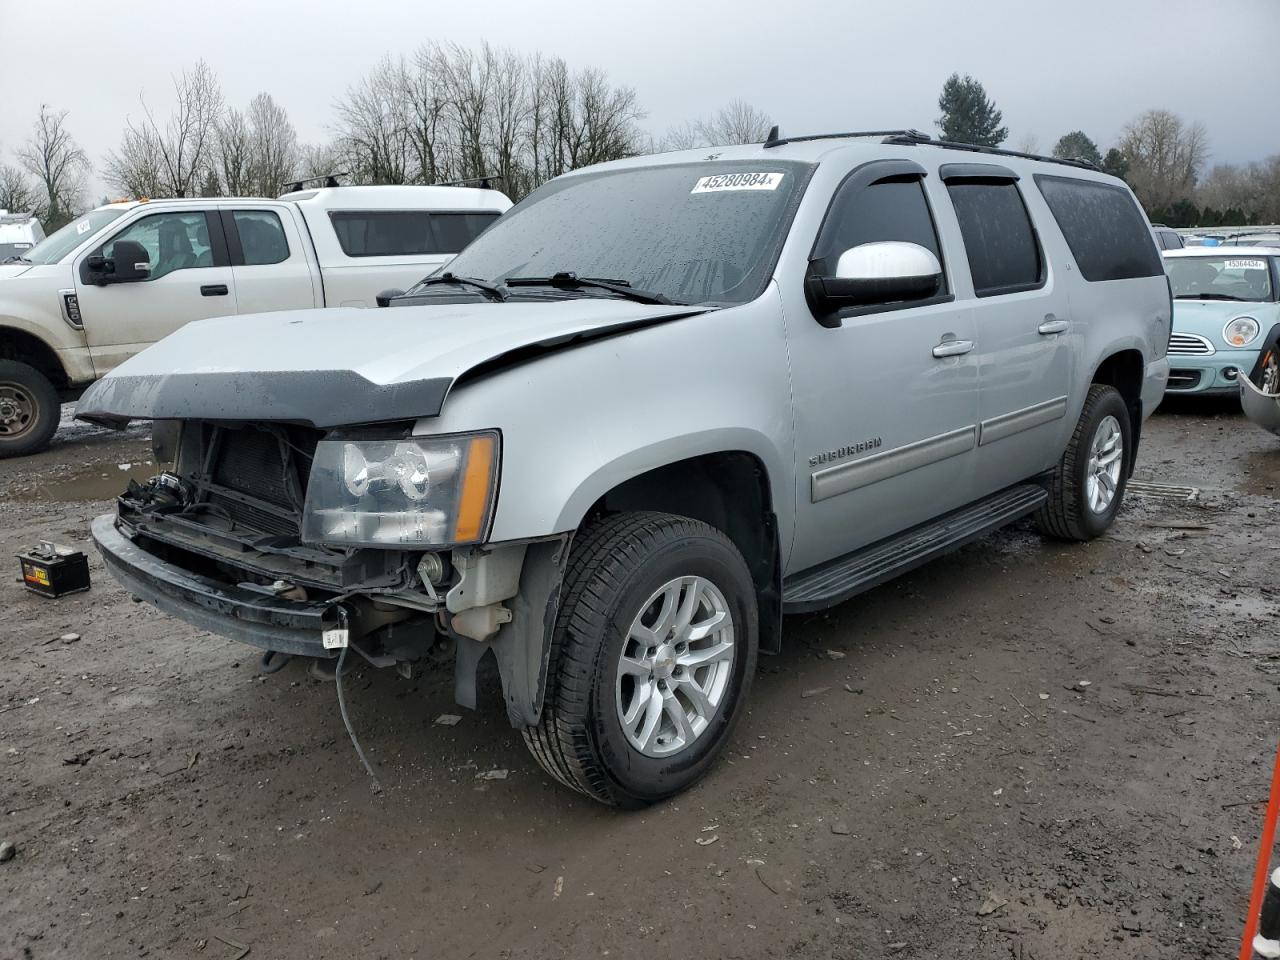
775, 140
912, 137
979, 148
323, 179
485, 182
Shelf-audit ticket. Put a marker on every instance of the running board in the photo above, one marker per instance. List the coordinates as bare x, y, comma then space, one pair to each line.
847, 576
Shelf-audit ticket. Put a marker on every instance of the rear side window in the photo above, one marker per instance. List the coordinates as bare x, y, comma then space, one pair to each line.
400, 233
1004, 254
261, 237
1104, 228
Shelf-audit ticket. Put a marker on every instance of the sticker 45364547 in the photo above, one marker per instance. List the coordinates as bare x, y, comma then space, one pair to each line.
737, 181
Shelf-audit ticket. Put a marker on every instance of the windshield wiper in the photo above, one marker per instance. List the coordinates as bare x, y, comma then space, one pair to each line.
1208, 296
488, 289
15, 259
571, 281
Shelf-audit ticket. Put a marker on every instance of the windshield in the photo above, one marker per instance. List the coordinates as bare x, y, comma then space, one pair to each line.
61, 242
8, 250
692, 232
1220, 278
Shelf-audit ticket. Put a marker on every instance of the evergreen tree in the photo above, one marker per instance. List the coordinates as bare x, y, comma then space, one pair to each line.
1115, 163
1076, 145
968, 114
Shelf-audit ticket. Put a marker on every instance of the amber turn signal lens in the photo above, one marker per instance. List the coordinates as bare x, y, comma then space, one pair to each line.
477, 490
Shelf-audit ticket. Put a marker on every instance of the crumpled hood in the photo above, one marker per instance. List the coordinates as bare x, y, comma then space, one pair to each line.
335, 367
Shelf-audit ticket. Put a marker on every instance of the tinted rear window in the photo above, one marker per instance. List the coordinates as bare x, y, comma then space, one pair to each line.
1004, 255
1105, 230
400, 233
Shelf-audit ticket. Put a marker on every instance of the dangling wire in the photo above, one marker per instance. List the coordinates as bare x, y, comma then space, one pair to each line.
342, 706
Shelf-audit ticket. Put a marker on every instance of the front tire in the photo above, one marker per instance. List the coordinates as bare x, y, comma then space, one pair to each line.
652, 656
1088, 484
29, 409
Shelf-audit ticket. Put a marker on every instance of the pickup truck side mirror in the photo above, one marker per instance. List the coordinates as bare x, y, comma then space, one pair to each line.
888, 271
386, 296
129, 262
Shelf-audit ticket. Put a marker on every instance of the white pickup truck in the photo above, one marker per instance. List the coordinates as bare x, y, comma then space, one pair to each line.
127, 274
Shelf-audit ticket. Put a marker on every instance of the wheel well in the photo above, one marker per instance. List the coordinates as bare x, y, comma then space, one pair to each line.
25, 348
730, 491
1124, 370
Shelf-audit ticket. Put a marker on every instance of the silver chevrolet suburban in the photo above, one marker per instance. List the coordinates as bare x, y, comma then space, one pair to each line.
660, 404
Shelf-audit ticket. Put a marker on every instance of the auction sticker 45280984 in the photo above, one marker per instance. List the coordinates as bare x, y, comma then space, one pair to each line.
737, 181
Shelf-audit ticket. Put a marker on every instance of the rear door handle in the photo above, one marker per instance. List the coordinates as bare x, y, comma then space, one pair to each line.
1053, 325
213, 290
952, 348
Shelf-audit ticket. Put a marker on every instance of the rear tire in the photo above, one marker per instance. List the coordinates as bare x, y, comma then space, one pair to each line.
29, 409
658, 623
1088, 484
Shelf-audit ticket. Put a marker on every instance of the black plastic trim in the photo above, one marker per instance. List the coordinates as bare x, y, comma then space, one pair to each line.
318, 398
975, 171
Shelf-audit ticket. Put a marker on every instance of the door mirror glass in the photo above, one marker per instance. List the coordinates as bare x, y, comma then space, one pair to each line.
887, 271
129, 261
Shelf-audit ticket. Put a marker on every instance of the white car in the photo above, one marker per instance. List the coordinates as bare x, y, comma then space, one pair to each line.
128, 274
19, 232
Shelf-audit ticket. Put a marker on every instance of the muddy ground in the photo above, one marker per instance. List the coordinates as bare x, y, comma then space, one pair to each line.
1025, 750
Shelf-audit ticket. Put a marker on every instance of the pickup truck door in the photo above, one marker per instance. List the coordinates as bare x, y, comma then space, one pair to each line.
886, 398
271, 258
189, 279
1025, 345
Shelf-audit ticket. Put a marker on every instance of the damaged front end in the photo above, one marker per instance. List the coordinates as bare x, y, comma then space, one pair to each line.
281, 536
1260, 391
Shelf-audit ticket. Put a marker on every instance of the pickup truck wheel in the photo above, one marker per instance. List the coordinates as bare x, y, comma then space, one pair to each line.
1088, 484
29, 409
652, 655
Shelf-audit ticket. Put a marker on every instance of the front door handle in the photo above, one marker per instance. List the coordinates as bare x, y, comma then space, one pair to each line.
1053, 325
952, 348
213, 290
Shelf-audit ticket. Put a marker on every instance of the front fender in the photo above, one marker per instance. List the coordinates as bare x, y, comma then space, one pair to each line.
667, 451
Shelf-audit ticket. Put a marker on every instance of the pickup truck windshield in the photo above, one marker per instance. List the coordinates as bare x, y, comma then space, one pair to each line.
692, 232
61, 242
1220, 278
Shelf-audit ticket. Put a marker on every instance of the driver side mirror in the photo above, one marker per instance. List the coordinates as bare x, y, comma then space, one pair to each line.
384, 298
129, 262
888, 271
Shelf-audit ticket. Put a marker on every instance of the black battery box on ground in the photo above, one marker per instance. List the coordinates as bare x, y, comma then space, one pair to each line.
54, 571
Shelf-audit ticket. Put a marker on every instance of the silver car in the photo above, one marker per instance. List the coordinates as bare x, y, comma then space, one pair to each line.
659, 404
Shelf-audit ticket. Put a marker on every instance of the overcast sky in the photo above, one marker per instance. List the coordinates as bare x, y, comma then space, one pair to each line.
812, 66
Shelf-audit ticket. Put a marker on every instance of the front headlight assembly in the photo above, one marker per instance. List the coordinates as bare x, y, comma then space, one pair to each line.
413, 492
1241, 331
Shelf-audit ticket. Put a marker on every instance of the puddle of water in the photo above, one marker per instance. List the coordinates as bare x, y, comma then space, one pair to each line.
98, 481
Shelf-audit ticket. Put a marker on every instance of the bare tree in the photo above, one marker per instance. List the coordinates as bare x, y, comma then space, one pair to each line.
183, 144
53, 157
1165, 157
1253, 189
17, 193
135, 169
373, 126
736, 122
1027, 143
233, 157
273, 147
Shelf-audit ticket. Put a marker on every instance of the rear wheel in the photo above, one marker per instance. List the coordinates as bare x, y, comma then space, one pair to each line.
1088, 483
652, 655
29, 409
